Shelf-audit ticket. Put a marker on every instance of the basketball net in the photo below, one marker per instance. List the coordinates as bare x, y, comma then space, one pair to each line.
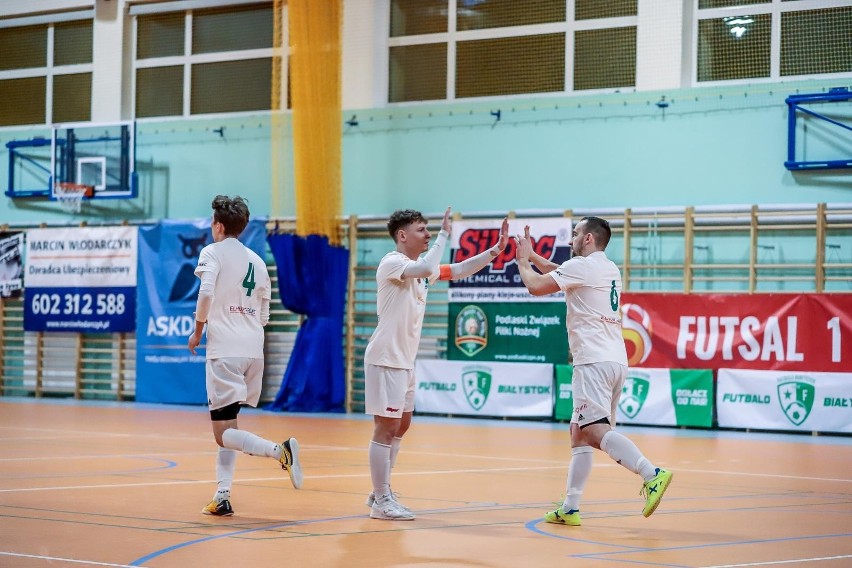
71, 195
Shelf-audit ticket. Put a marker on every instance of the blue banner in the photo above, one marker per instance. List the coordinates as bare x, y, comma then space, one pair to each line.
166, 371
83, 310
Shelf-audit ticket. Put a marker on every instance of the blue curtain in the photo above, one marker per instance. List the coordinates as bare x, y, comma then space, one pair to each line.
312, 277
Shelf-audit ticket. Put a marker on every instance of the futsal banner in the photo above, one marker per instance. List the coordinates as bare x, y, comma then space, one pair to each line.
492, 317
168, 289
484, 389
791, 332
81, 279
11, 266
659, 397
781, 400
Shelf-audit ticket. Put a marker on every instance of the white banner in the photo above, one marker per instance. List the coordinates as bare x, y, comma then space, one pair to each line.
779, 400
484, 388
85, 257
647, 398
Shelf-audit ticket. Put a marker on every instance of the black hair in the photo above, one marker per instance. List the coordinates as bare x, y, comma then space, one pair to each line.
599, 228
402, 218
232, 212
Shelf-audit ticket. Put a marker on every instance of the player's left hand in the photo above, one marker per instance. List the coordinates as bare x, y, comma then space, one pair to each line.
504, 234
524, 242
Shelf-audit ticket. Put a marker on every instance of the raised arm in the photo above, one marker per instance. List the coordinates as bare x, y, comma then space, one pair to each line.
536, 259
429, 264
537, 284
474, 264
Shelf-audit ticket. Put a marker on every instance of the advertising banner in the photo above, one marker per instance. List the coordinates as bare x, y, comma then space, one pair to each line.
492, 317
81, 279
484, 389
790, 332
11, 265
168, 289
778, 400
659, 397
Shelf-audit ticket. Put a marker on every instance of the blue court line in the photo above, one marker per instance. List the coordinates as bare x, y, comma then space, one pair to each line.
157, 553
168, 464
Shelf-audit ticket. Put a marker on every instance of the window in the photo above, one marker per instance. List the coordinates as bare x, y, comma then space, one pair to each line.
213, 60
46, 73
508, 47
771, 39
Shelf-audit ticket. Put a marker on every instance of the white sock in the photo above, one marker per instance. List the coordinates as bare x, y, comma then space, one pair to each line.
625, 452
578, 473
380, 468
225, 461
250, 444
394, 450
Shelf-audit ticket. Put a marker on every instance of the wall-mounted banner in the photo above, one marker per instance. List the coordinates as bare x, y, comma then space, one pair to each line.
11, 265
484, 389
81, 279
659, 397
168, 289
781, 400
492, 317
794, 332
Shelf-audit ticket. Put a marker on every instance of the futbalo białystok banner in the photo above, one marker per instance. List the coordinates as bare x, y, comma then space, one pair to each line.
484, 389
784, 400
80, 279
659, 397
492, 316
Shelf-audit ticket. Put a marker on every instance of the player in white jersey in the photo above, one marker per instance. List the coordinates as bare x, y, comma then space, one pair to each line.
592, 286
233, 301
403, 279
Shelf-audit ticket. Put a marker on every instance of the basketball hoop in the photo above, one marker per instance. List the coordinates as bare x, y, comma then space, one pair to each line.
71, 195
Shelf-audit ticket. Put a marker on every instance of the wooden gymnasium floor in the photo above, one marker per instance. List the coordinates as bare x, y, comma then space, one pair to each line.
88, 484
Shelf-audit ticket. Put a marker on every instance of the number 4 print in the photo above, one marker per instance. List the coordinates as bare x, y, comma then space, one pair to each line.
248, 281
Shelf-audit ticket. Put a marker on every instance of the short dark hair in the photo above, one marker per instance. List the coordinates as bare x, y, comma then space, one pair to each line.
599, 228
402, 218
232, 212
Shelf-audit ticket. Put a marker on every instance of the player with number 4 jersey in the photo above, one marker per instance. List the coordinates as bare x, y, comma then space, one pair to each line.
233, 302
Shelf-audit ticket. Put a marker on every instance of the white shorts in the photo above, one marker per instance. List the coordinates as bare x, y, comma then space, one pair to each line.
387, 391
597, 389
233, 379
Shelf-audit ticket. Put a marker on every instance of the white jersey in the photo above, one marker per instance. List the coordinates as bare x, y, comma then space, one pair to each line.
400, 305
592, 286
242, 286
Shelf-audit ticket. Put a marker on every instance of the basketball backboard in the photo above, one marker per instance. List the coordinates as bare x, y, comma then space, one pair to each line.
97, 155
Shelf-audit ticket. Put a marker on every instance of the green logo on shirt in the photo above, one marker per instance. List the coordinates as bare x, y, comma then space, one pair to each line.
613, 297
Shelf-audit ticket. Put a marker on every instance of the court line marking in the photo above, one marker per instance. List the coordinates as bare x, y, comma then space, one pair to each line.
611, 556
276, 478
52, 558
773, 475
796, 561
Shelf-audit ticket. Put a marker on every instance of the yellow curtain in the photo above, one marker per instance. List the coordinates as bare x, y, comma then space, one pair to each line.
315, 88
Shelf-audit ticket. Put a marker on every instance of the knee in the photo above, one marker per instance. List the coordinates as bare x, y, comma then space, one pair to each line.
384, 433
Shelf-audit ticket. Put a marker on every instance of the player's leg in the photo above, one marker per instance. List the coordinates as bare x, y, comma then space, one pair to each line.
407, 413
232, 382
384, 398
225, 461
607, 381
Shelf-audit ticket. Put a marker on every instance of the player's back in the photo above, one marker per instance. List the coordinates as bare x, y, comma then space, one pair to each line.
234, 327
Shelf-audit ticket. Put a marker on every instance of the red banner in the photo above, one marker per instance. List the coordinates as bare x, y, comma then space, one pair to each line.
783, 332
